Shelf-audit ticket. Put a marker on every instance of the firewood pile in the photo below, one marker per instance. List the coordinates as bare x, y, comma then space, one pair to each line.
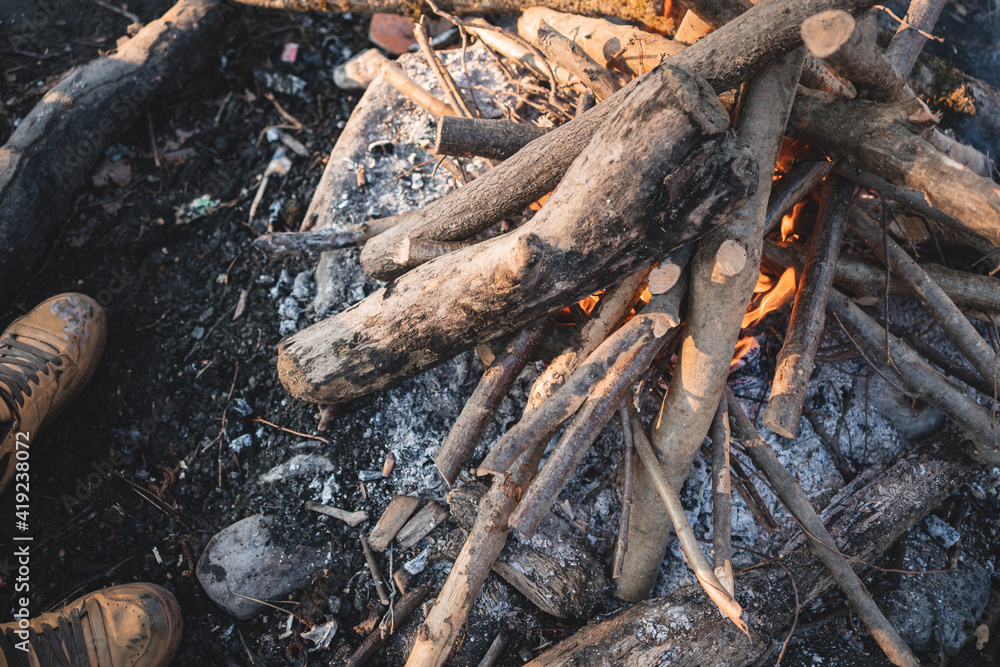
674, 179
662, 196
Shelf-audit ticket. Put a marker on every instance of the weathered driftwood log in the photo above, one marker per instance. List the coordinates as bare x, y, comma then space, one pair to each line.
885, 139
554, 570
53, 150
865, 519
560, 49
726, 57
628, 199
724, 271
494, 139
635, 10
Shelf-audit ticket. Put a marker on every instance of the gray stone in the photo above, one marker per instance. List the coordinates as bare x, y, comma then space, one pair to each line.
300, 465
243, 560
919, 602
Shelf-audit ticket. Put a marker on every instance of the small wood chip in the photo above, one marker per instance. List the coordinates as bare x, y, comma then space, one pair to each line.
392, 520
350, 518
421, 525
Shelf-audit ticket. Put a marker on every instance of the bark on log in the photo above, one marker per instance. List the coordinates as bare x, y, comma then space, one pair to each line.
493, 139
719, 295
564, 579
725, 58
678, 174
865, 519
885, 139
51, 153
909, 40
633, 10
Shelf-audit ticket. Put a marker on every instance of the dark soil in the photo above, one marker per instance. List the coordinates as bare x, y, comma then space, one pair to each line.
132, 481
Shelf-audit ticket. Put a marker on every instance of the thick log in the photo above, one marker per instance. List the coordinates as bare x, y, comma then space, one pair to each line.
564, 580
886, 139
51, 153
724, 271
628, 200
724, 58
683, 628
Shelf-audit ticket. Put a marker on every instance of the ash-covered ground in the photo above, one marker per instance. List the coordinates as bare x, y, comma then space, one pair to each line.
163, 451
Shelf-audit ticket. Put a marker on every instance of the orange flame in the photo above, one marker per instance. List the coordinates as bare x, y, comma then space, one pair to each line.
782, 294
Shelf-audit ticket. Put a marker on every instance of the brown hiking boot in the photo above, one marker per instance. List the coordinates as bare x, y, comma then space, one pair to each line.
46, 358
132, 625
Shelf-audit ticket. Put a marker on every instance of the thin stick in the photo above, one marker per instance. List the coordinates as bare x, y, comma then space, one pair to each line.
795, 361
722, 500
791, 494
621, 544
288, 244
918, 202
261, 420
861, 276
383, 594
416, 93
539, 424
566, 52
495, 651
481, 407
588, 422
934, 299
969, 415
400, 612
909, 39
440, 72
793, 187
729, 607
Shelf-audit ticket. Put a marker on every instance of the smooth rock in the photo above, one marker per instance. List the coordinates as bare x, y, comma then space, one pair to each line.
243, 560
300, 465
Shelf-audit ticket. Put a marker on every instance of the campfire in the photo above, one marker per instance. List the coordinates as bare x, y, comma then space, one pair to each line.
661, 208
685, 189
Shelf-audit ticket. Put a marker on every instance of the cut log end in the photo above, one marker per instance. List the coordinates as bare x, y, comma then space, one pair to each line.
824, 34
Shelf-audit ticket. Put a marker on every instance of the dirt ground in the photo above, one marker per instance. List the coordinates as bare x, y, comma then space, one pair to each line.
136, 476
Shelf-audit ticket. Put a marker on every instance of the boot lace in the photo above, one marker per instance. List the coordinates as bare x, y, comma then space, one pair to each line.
61, 646
20, 365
